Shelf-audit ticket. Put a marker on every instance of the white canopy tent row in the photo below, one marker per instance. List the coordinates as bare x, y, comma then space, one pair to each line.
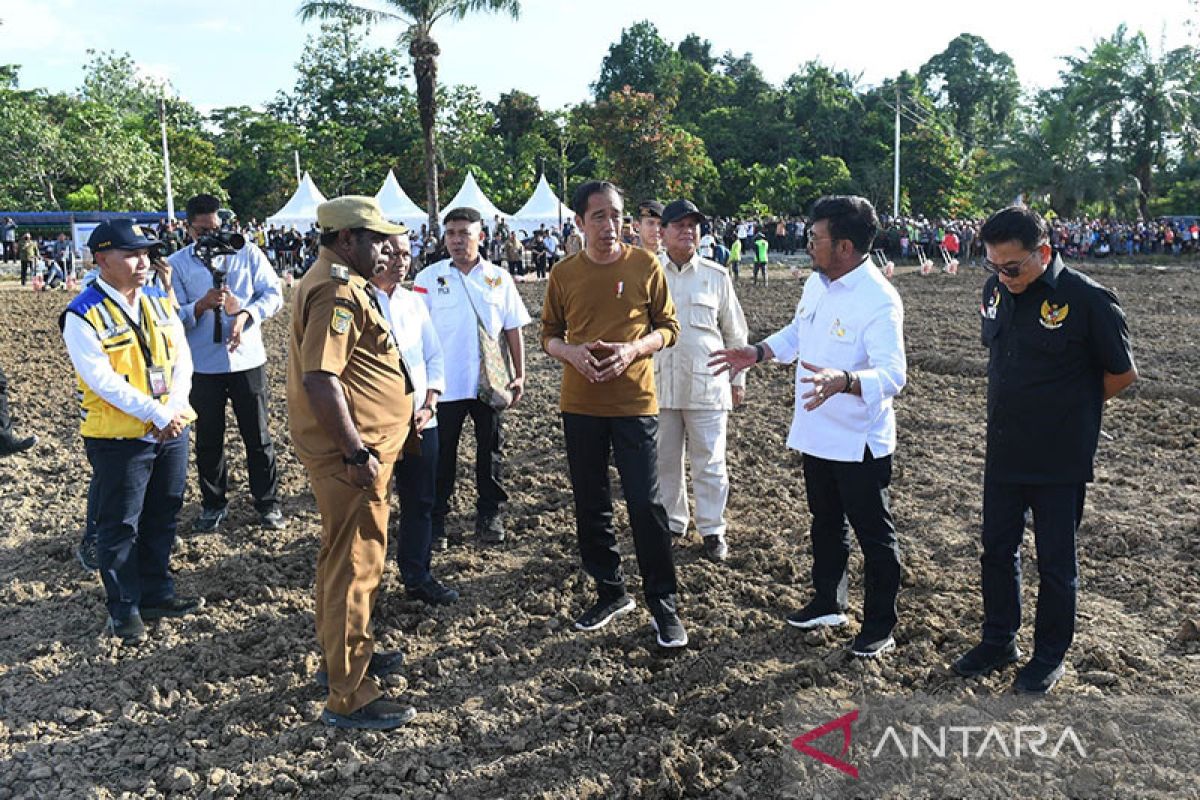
471, 196
542, 209
301, 209
398, 207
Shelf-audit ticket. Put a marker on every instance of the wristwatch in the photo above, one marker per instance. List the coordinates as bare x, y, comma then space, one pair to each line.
361, 456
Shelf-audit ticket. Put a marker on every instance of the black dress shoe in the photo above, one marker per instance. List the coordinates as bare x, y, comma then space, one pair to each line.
379, 715
177, 606
983, 658
490, 530
10, 447
433, 593
1038, 677
129, 631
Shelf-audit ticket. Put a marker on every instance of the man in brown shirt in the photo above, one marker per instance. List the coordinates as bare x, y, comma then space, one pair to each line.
607, 311
350, 414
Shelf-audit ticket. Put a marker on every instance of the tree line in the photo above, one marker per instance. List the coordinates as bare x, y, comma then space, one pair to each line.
1117, 136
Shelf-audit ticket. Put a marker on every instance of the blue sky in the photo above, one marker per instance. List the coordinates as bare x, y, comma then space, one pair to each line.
219, 53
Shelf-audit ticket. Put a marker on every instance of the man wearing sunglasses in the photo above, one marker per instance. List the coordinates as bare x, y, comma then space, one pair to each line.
1058, 349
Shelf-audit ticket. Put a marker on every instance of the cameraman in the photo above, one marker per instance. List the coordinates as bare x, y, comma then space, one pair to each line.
237, 291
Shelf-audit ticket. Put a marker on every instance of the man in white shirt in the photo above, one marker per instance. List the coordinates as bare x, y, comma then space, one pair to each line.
462, 293
694, 405
848, 335
416, 473
135, 372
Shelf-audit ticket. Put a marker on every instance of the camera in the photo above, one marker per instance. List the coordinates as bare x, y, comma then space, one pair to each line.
219, 243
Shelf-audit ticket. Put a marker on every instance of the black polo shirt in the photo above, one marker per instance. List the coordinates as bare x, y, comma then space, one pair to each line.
1049, 348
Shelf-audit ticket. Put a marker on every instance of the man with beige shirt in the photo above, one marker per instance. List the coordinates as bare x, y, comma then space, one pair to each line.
607, 310
694, 404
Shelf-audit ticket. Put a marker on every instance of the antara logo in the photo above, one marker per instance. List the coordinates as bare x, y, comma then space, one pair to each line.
843, 724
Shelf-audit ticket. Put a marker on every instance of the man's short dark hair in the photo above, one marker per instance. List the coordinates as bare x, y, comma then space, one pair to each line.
579, 201
462, 214
1016, 224
329, 238
202, 204
850, 217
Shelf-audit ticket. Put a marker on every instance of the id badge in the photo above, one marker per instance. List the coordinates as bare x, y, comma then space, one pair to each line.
159, 385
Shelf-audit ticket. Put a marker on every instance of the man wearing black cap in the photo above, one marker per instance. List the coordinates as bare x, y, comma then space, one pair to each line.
694, 405
649, 225
350, 417
135, 372
462, 293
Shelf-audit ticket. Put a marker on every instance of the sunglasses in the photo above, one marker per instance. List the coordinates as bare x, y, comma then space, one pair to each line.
1010, 270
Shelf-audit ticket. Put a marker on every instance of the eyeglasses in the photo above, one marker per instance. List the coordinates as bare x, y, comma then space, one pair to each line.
1009, 270
813, 240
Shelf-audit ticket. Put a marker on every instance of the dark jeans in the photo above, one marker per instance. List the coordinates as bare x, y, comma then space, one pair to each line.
1057, 510
27, 271
416, 482
488, 457
249, 394
633, 444
842, 494
139, 491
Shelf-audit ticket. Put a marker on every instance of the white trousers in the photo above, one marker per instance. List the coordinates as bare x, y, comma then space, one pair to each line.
702, 435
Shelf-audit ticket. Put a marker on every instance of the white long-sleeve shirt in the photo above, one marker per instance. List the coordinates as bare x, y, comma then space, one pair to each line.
855, 323
96, 370
418, 343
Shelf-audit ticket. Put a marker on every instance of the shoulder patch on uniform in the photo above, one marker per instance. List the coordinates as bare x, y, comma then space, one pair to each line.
345, 302
340, 322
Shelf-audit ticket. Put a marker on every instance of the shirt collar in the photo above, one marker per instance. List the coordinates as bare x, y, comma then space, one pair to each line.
691, 263
1052, 271
851, 278
118, 298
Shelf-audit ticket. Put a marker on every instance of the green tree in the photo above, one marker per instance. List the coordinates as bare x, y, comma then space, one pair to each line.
977, 85
418, 17
258, 147
643, 61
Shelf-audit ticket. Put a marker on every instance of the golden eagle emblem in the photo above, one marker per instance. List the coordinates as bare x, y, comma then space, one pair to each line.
1053, 315
493, 282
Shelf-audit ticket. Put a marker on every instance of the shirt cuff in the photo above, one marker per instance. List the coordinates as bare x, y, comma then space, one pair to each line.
778, 343
161, 416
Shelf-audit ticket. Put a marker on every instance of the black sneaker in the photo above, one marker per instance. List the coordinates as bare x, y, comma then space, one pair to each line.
89, 559
604, 612
669, 629
208, 519
377, 715
715, 548
871, 646
490, 530
10, 447
433, 593
1038, 677
382, 664
177, 606
816, 615
984, 657
273, 519
130, 631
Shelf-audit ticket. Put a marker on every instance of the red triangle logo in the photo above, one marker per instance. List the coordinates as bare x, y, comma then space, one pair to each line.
843, 724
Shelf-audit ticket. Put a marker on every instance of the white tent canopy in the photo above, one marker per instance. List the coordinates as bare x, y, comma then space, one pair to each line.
471, 196
398, 207
301, 210
542, 208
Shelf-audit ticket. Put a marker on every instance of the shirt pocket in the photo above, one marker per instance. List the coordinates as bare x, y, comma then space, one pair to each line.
706, 388
703, 311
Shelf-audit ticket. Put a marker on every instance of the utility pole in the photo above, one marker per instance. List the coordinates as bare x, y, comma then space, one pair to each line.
166, 154
296, 153
896, 162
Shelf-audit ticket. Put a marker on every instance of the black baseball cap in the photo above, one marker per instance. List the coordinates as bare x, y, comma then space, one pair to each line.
119, 234
650, 208
678, 209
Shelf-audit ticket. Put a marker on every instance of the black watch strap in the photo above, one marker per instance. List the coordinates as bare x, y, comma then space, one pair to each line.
361, 456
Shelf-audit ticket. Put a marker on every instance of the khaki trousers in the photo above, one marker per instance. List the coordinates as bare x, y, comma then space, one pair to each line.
697, 435
349, 568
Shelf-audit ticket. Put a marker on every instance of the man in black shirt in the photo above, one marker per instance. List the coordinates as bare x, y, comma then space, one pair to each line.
1058, 348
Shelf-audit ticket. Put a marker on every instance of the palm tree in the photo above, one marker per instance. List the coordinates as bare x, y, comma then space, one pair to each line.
419, 17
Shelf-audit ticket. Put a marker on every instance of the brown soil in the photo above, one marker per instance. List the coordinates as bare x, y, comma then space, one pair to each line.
512, 702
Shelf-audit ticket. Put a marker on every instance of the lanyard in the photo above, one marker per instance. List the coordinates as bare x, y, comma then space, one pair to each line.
138, 330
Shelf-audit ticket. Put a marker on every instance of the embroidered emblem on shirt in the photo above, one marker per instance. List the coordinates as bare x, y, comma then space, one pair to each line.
341, 321
989, 311
1053, 315
836, 329
493, 283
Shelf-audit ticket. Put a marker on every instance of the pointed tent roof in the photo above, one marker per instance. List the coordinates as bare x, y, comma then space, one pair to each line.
397, 206
471, 196
301, 210
542, 208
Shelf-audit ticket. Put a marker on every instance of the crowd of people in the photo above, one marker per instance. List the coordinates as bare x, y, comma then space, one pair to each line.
654, 347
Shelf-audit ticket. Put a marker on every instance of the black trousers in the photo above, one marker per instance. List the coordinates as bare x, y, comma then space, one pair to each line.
248, 392
1057, 510
842, 494
632, 442
488, 456
6, 434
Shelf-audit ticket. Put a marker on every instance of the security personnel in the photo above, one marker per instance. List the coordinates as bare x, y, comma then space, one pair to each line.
694, 405
135, 372
350, 413
650, 225
1058, 348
